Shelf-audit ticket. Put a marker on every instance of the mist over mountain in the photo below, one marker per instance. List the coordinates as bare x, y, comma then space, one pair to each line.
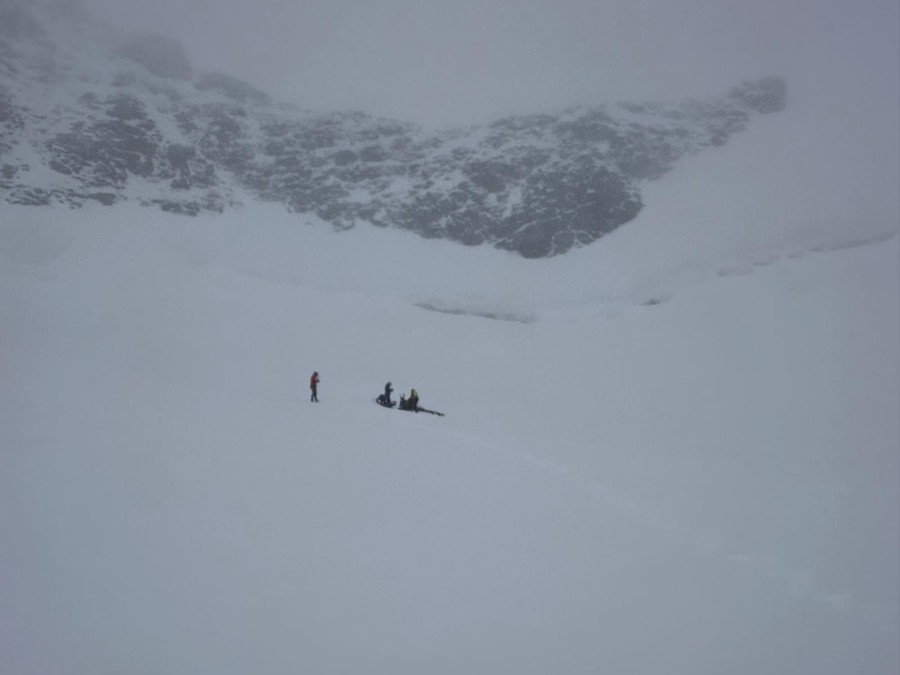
674, 450
87, 114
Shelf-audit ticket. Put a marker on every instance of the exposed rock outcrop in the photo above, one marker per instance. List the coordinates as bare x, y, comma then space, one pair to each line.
537, 185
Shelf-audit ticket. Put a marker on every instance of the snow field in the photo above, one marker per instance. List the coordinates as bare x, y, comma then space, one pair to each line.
706, 484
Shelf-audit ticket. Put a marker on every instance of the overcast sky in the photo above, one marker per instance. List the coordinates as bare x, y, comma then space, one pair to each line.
440, 62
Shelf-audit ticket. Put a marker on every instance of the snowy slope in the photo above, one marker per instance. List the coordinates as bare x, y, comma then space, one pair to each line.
676, 450
680, 464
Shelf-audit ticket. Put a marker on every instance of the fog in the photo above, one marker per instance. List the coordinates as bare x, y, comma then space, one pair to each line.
469, 61
684, 436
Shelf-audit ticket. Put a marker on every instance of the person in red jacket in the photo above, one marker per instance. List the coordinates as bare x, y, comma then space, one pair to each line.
313, 386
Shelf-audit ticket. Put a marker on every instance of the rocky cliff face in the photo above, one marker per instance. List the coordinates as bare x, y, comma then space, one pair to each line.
85, 115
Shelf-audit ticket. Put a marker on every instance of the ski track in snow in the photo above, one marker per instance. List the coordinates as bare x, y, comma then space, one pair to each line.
38, 260
798, 584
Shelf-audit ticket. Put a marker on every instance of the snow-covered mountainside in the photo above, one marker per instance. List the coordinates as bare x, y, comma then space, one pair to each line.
87, 115
674, 451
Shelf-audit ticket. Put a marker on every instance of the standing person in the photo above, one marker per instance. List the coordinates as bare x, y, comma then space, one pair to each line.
413, 401
313, 387
385, 398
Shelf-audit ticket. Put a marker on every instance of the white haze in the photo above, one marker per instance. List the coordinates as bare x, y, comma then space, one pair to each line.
437, 62
675, 450
832, 159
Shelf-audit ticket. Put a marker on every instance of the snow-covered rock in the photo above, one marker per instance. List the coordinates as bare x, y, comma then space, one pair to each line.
112, 120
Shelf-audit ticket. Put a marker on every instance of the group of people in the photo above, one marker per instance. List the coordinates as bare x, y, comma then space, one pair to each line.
411, 403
